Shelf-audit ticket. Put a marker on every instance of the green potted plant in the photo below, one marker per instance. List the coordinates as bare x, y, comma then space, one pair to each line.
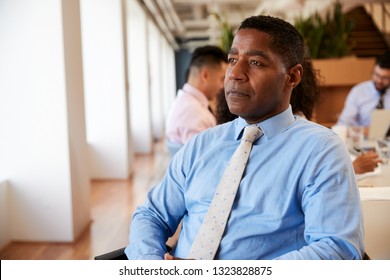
326, 37
226, 37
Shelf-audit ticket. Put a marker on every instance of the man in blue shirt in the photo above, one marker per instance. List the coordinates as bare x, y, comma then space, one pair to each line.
367, 96
298, 197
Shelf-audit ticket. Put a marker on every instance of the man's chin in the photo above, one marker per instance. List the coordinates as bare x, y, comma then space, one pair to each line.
380, 88
235, 110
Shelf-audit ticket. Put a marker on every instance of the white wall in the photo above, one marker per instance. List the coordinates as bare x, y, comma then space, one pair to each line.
78, 149
105, 88
163, 79
169, 77
4, 226
157, 67
42, 143
43, 138
139, 91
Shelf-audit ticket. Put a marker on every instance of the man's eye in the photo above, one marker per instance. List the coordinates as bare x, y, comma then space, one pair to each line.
257, 63
231, 60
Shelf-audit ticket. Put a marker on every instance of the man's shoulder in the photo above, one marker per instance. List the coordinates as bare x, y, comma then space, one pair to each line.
362, 92
363, 86
182, 95
185, 104
216, 133
312, 129
313, 136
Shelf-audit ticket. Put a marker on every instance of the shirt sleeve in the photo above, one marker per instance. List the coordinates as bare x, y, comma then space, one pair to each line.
349, 114
158, 218
331, 205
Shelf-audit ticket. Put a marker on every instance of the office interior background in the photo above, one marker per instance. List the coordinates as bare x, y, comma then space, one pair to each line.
86, 85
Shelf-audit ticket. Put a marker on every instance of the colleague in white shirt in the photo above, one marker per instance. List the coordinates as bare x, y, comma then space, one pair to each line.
367, 96
190, 112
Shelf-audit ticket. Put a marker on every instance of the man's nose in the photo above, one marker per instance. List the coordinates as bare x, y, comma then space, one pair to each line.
237, 72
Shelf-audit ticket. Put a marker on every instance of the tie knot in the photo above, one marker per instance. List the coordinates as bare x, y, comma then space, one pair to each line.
252, 133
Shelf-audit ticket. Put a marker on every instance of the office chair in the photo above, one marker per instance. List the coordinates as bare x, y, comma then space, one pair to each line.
119, 254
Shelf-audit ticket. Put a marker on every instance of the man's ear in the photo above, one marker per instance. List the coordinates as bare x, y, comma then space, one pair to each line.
295, 74
204, 73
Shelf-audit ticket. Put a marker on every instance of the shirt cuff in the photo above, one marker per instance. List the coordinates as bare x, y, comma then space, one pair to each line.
150, 257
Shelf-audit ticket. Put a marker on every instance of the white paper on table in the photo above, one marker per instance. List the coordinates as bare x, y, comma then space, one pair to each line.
374, 193
376, 172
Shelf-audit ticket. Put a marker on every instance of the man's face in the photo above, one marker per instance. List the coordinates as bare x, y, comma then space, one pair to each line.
381, 78
256, 81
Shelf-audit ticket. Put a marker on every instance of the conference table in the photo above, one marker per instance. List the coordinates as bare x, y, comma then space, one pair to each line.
374, 191
374, 187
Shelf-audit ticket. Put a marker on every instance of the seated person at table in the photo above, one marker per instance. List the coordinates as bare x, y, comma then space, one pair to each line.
367, 96
297, 198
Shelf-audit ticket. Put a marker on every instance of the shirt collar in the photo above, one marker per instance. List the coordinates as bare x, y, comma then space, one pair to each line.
387, 91
197, 94
271, 127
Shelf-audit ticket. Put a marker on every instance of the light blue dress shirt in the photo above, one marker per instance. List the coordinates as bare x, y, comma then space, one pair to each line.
360, 103
298, 198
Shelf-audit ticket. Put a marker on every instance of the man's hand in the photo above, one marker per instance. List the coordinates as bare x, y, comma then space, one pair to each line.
366, 162
169, 257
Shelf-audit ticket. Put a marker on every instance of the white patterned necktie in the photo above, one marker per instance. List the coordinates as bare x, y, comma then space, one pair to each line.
210, 233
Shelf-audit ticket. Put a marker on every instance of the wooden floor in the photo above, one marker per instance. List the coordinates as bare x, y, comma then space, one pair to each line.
112, 204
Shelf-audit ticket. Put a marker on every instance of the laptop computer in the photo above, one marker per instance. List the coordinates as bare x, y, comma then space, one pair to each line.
380, 124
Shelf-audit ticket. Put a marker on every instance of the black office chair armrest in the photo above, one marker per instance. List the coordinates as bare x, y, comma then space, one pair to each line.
118, 254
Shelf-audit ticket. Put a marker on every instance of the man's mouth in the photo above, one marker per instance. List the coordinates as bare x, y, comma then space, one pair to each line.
237, 93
